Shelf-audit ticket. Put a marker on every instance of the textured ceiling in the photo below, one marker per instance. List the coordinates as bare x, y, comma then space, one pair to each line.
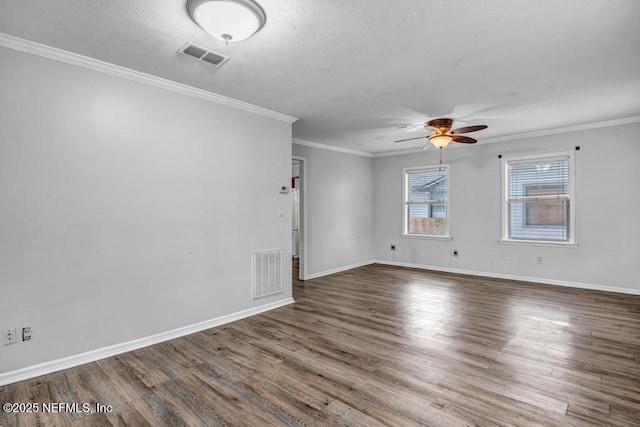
354, 71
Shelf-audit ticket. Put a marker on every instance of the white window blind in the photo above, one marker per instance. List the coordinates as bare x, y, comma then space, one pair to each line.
538, 199
426, 201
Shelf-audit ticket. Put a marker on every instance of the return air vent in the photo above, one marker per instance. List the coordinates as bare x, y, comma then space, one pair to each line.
267, 273
204, 54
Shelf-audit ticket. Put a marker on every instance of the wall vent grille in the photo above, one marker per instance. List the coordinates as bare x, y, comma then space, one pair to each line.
204, 54
267, 273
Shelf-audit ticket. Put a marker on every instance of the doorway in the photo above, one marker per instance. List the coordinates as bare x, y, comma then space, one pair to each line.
298, 222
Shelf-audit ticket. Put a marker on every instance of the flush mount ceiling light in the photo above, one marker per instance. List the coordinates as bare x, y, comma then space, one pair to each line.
228, 20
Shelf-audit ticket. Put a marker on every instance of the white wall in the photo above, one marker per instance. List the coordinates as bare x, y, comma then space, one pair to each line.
128, 210
607, 211
339, 197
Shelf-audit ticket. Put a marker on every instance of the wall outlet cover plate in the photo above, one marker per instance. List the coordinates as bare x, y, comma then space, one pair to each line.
9, 336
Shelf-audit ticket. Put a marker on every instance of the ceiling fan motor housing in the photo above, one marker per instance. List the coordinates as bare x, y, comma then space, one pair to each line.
442, 124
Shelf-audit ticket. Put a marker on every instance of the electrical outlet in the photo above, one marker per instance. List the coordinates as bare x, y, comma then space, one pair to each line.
9, 336
26, 333
455, 252
539, 260
394, 248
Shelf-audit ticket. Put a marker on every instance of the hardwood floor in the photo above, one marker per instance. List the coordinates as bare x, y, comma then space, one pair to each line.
377, 345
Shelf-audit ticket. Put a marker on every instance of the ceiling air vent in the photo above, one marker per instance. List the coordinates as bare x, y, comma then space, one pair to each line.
204, 54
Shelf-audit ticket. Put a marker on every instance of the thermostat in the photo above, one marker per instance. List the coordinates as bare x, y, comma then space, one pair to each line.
284, 189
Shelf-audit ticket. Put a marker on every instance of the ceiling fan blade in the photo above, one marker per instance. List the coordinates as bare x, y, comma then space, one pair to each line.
463, 139
409, 139
468, 129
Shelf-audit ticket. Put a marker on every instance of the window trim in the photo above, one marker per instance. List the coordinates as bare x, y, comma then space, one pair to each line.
504, 225
405, 204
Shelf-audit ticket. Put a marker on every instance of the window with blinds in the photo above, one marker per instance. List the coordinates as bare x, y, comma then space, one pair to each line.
425, 201
538, 199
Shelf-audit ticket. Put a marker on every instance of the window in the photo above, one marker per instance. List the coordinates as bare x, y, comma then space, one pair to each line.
538, 199
545, 212
425, 201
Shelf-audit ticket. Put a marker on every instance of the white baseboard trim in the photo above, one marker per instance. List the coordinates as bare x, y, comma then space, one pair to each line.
338, 269
564, 283
102, 353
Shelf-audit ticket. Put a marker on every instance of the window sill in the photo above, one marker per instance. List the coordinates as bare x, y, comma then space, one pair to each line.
538, 243
426, 237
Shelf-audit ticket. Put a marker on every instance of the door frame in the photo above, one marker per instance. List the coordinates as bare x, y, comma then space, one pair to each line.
302, 221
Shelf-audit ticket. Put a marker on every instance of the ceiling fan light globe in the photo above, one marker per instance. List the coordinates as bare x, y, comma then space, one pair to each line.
440, 141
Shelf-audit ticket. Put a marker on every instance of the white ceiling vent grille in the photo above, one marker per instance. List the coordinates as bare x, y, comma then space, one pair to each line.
204, 54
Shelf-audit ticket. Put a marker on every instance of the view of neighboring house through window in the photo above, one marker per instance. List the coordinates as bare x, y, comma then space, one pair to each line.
538, 199
425, 201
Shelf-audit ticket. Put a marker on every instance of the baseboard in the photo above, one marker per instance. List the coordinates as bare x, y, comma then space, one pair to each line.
564, 283
102, 353
338, 269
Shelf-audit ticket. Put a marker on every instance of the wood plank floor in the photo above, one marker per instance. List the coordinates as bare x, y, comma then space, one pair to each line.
377, 345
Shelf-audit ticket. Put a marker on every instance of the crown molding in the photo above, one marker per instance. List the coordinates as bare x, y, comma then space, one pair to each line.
533, 134
513, 137
400, 152
331, 148
564, 129
22, 45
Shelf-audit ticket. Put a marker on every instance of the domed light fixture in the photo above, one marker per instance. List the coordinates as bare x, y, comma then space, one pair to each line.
440, 141
228, 20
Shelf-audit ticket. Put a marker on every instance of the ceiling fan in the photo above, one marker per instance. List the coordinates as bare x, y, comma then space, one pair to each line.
443, 134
